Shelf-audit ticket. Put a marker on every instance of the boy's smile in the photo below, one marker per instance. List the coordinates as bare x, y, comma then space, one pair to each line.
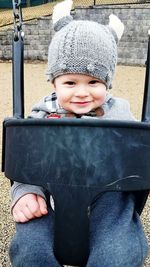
79, 93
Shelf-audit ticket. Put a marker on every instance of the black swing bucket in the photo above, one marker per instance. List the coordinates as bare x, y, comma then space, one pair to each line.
76, 160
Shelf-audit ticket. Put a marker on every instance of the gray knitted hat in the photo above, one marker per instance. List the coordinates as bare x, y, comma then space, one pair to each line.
83, 47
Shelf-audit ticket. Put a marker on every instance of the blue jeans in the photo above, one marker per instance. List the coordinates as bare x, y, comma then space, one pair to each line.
117, 238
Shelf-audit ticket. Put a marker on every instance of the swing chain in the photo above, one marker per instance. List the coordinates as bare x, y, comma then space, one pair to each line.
17, 18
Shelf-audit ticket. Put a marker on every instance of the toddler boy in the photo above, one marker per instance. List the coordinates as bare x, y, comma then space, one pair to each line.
81, 64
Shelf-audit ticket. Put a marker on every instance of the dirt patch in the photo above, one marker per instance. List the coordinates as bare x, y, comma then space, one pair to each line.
128, 83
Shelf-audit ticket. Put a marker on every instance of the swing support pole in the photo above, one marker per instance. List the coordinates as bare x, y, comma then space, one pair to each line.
18, 62
146, 99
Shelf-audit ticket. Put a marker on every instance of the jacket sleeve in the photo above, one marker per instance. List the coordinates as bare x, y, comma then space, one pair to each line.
125, 111
118, 109
18, 190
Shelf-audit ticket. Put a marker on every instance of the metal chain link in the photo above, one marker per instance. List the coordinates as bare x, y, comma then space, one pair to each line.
17, 11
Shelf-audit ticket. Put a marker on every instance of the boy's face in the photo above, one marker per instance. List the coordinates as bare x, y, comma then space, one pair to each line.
79, 93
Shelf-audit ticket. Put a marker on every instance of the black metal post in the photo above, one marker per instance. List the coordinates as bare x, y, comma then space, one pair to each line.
18, 76
146, 99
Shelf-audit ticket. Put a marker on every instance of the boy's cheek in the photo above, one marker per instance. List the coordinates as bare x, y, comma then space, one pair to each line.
62, 97
61, 101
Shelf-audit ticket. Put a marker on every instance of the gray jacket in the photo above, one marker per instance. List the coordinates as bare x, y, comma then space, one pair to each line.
114, 109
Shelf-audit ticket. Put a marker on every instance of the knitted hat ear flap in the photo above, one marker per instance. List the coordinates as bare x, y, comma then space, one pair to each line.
116, 27
61, 14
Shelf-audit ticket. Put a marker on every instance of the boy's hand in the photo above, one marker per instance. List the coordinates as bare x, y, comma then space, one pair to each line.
28, 207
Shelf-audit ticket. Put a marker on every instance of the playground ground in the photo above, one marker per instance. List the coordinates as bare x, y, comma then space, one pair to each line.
128, 83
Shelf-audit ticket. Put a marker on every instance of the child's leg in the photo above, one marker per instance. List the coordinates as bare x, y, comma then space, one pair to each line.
32, 244
116, 235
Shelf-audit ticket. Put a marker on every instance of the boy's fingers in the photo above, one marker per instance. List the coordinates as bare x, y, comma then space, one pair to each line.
29, 207
35, 208
15, 217
27, 213
20, 217
42, 205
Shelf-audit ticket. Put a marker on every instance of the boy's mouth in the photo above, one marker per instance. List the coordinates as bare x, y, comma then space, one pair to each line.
81, 103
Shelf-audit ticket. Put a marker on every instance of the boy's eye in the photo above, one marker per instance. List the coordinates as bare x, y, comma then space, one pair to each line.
69, 83
93, 82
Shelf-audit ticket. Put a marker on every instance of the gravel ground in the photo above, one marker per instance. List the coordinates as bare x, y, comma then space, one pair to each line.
129, 83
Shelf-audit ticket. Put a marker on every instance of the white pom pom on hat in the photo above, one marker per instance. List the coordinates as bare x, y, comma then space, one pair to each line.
116, 24
61, 10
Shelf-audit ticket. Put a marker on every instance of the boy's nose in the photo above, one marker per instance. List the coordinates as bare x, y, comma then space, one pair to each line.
81, 92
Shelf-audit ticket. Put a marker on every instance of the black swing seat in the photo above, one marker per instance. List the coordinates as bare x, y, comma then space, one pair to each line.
76, 160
